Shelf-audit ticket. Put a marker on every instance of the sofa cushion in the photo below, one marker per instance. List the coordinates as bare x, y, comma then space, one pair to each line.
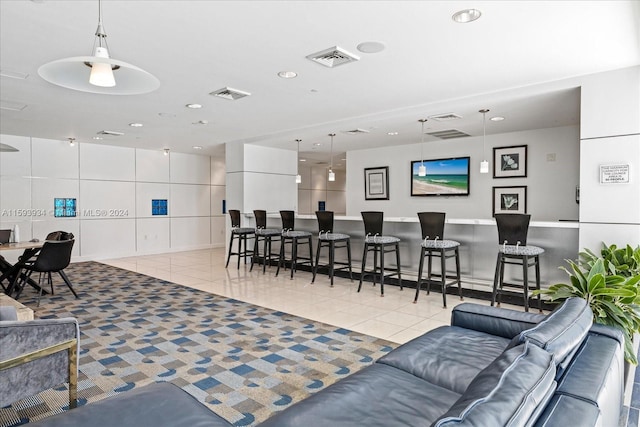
449, 356
511, 391
562, 331
376, 396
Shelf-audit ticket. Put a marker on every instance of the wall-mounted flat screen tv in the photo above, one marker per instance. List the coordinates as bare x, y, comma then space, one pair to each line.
445, 177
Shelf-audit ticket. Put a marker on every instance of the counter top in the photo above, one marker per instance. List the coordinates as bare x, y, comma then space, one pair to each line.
462, 221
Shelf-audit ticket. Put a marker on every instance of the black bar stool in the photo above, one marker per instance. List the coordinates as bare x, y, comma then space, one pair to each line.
379, 244
327, 238
512, 236
294, 238
241, 234
433, 245
266, 236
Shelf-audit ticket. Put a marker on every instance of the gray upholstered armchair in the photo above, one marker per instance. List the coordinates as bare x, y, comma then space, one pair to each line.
36, 355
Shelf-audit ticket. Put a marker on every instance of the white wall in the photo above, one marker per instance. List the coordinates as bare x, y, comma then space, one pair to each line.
114, 187
550, 185
315, 186
610, 133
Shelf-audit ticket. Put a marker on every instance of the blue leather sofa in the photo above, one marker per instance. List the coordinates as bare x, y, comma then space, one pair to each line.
492, 367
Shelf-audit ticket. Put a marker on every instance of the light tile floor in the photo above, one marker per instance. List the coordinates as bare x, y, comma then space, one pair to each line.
394, 317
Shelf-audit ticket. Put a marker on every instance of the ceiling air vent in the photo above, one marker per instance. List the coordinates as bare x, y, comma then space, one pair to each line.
445, 117
110, 133
333, 57
448, 134
356, 131
229, 93
12, 106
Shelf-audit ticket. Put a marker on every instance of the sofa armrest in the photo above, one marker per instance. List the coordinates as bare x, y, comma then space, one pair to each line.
38, 355
154, 405
501, 322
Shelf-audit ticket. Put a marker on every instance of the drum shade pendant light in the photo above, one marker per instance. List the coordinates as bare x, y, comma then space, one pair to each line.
332, 175
298, 177
484, 165
99, 73
422, 169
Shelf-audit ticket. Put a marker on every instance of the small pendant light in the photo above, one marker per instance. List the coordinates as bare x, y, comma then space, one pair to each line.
332, 175
422, 169
298, 177
484, 164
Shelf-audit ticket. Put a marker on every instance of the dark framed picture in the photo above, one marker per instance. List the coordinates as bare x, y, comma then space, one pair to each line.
510, 200
376, 183
510, 162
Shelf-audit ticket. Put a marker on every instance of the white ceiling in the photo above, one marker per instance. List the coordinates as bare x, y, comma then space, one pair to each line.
431, 65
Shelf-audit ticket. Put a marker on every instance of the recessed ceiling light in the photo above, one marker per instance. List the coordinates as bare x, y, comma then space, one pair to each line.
370, 47
497, 119
287, 74
97, 138
197, 147
466, 15
194, 106
136, 125
317, 144
303, 160
392, 133
344, 160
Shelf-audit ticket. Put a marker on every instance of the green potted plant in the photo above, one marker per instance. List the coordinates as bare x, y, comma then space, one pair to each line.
611, 286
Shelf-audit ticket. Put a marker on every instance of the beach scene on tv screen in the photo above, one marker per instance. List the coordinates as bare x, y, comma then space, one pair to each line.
446, 177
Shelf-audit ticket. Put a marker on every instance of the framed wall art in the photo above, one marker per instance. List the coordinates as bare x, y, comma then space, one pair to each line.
376, 183
510, 162
510, 200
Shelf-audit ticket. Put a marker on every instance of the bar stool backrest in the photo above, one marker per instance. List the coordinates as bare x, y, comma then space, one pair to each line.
60, 235
432, 225
513, 228
235, 218
373, 221
288, 220
261, 218
325, 221
54, 256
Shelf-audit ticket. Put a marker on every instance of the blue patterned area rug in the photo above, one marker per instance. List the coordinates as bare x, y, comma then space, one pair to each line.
243, 361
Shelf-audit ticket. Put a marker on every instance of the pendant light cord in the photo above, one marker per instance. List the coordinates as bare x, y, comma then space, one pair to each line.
422, 142
331, 160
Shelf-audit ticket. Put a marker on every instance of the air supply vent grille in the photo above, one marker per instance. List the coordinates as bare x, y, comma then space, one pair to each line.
448, 134
445, 117
229, 93
110, 133
356, 131
333, 57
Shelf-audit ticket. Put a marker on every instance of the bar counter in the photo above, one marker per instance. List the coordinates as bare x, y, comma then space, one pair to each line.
478, 246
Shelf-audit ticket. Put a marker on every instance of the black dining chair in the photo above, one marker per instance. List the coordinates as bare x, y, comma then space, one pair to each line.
242, 234
52, 258
379, 244
434, 245
328, 239
513, 249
